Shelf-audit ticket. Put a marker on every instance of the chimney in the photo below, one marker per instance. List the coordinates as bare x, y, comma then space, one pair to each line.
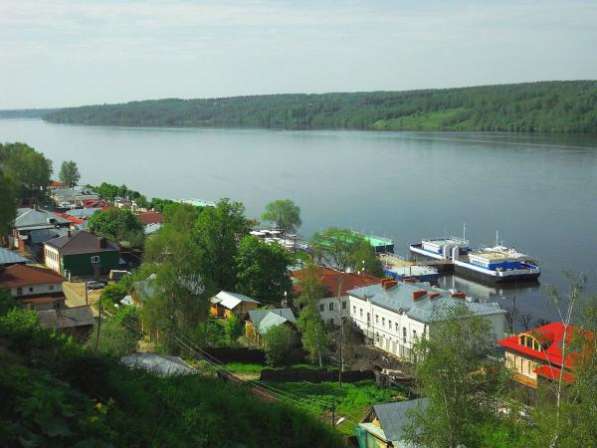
101, 242
419, 294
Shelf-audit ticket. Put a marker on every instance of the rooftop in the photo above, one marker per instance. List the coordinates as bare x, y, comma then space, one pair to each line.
265, 319
147, 218
161, 365
394, 417
551, 341
10, 257
336, 282
231, 300
29, 218
82, 242
422, 302
19, 275
79, 316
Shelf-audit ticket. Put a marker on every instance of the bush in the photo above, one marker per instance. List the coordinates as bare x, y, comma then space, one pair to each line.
233, 329
279, 342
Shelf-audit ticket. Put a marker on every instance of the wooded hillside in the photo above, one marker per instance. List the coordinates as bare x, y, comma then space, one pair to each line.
558, 107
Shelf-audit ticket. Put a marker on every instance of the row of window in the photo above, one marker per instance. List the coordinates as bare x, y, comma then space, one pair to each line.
383, 323
330, 306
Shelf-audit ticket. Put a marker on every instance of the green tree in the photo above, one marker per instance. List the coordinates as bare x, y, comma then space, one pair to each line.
451, 365
113, 293
217, 233
364, 259
262, 270
233, 328
119, 334
28, 170
284, 213
7, 301
278, 342
117, 224
346, 249
69, 173
8, 204
313, 332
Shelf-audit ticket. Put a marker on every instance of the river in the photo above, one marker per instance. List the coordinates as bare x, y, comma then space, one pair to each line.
539, 192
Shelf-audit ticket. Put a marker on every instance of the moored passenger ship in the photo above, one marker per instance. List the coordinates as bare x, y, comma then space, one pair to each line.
498, 264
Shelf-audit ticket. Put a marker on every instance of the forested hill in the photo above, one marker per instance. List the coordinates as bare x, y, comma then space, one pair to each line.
559, 106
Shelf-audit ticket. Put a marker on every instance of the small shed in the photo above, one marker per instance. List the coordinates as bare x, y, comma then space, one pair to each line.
225, 303
261, 321
385, 424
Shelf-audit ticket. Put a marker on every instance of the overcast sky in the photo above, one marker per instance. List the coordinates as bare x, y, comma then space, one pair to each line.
73, 52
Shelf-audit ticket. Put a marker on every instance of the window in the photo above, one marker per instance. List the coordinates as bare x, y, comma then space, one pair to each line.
321, 307
19, 291
354, 309
404, 334
31, 289
383, 321
377, 318
51, 287
95, 259
397, 327
414, 334
361, 312
331, 306
390, 324
343, 305
368, 317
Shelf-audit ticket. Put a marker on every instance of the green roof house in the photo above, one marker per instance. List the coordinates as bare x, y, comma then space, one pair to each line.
81, 254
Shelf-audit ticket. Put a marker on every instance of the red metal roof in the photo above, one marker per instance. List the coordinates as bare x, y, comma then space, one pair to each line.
335, 280
19, 275
551, 337
70, 218
553, 373
150, 218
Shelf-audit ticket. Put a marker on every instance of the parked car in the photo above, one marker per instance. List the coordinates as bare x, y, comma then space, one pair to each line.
95, 285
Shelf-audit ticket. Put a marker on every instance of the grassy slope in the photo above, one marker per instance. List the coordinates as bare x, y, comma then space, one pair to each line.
54, 393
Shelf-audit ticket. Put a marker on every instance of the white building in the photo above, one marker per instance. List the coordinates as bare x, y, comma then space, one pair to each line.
394, 315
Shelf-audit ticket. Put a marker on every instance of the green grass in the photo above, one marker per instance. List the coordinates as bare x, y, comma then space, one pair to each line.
352, 399
244, 368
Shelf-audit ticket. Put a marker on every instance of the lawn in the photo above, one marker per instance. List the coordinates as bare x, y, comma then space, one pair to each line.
244, 370
352, 399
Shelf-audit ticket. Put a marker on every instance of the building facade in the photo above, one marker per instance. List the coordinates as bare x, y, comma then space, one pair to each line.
394, 316
33, 287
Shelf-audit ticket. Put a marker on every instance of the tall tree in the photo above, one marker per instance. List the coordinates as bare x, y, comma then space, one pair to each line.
28, 170
364, 259
7, 205
313, 332
451, 366
69, 173
117, 224
262, 270
284, 213
217, 233
345, 249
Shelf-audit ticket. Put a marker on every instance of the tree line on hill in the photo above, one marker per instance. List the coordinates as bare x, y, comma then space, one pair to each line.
550, 107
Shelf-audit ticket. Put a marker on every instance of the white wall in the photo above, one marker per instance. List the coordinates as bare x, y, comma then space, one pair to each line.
52, 258
35, 290
397, 333
339, 309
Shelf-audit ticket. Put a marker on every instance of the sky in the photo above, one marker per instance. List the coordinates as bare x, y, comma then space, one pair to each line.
74, 52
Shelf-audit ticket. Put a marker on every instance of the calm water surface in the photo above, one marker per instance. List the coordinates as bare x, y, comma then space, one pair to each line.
539, 192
